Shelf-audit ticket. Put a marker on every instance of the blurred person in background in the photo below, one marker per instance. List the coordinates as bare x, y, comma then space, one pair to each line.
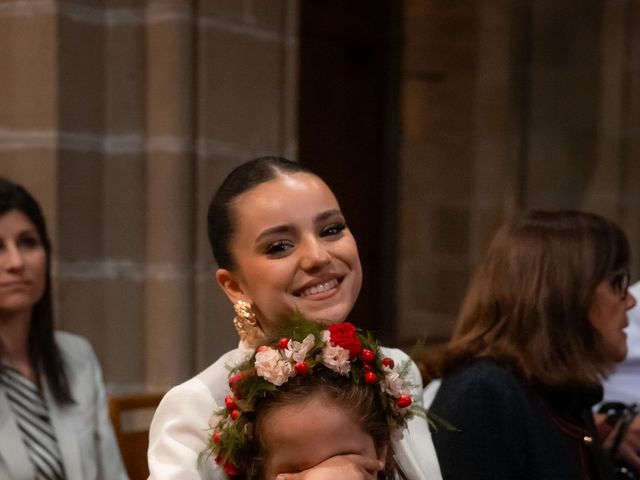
54, 421
621, 394
541, 326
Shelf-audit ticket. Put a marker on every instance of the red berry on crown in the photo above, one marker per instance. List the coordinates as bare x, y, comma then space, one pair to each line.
230, 469
235, 414
370, 377
237, 378
216, 437
367, 355
388, 362
403, 401
302, 368
233, 379
283, 343
230, 402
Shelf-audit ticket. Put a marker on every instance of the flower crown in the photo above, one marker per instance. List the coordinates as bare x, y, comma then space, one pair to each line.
304, 348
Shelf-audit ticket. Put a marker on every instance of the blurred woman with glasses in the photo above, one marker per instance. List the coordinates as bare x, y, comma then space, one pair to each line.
541, 326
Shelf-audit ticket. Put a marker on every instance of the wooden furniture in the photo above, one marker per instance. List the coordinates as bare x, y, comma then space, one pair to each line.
131, 417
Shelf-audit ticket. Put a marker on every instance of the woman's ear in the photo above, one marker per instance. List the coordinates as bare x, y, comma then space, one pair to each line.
227, 281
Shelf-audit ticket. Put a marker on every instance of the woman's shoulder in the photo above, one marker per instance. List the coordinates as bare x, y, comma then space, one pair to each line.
485, 381
483, 370
395, 353
212, 382
68, 339
74, 348
180, 426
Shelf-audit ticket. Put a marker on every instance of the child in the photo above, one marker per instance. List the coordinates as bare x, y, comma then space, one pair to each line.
308, 399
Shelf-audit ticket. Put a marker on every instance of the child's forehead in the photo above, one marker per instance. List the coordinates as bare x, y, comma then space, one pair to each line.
305, 408
299, 436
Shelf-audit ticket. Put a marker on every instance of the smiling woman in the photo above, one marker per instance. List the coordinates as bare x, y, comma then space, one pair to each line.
292, 251
282, 246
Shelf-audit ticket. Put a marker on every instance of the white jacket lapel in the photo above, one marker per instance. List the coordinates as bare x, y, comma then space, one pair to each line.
13, 454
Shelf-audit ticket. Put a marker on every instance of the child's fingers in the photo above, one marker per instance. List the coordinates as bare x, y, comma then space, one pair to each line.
346, 467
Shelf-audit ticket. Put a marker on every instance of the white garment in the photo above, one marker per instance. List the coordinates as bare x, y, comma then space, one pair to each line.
430, 457
624, 384
179, 430
83, 430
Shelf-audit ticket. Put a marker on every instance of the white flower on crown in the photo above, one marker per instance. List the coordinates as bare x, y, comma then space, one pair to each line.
337, 359
273, 367
325, 336
297, 351
393, 384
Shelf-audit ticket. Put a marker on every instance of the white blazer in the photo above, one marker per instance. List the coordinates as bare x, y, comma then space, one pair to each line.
83, 430
180, 430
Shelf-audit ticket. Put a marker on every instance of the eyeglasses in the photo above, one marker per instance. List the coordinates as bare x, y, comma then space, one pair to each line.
620, 283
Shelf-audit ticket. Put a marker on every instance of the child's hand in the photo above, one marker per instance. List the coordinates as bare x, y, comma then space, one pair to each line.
345, 467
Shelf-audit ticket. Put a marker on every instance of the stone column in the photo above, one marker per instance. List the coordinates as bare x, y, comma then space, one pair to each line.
168, 291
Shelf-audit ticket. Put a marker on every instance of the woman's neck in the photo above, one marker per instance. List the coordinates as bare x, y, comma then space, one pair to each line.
14, 343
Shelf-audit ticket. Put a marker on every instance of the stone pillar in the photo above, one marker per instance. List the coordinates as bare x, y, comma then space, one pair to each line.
28, 88
168, 290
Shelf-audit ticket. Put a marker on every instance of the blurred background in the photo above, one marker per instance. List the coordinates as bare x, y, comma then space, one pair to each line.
433, 121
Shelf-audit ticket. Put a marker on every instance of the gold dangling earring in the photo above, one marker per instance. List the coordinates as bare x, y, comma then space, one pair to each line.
245, 321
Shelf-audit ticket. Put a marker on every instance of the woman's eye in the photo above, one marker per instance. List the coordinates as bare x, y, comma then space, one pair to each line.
334, 229
278, 248
28, 242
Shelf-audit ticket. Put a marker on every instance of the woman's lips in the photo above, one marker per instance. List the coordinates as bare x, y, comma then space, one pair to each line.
18, 284
319, 288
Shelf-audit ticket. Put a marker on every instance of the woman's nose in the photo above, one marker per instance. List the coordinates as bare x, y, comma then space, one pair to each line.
12, 257
314, 254
631, 301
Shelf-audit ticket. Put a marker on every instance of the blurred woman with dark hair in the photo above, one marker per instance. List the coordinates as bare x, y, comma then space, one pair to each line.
54, 420
541, 325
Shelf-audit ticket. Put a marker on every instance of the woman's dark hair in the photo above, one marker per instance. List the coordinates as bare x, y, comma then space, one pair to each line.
362, 401
529, 301
43, 350
245, 177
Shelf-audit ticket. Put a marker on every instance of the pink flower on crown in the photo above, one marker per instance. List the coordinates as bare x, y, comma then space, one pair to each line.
393, 384
273, 367
297, 351
337, 359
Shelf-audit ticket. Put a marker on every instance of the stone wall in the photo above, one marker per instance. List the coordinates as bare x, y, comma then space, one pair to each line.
509, 105
122, 117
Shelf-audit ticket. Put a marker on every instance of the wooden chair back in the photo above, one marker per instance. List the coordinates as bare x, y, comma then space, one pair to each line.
131, 417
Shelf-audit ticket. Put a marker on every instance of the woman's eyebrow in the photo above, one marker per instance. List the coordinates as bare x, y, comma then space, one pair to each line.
326, 214
274, 230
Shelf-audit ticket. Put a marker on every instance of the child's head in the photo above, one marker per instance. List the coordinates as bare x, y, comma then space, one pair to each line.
309, 396
313, 418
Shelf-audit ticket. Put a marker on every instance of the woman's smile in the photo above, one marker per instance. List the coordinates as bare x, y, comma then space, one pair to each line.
314, 288
294, 252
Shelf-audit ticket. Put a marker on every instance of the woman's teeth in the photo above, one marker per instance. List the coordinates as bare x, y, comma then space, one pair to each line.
323, 287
